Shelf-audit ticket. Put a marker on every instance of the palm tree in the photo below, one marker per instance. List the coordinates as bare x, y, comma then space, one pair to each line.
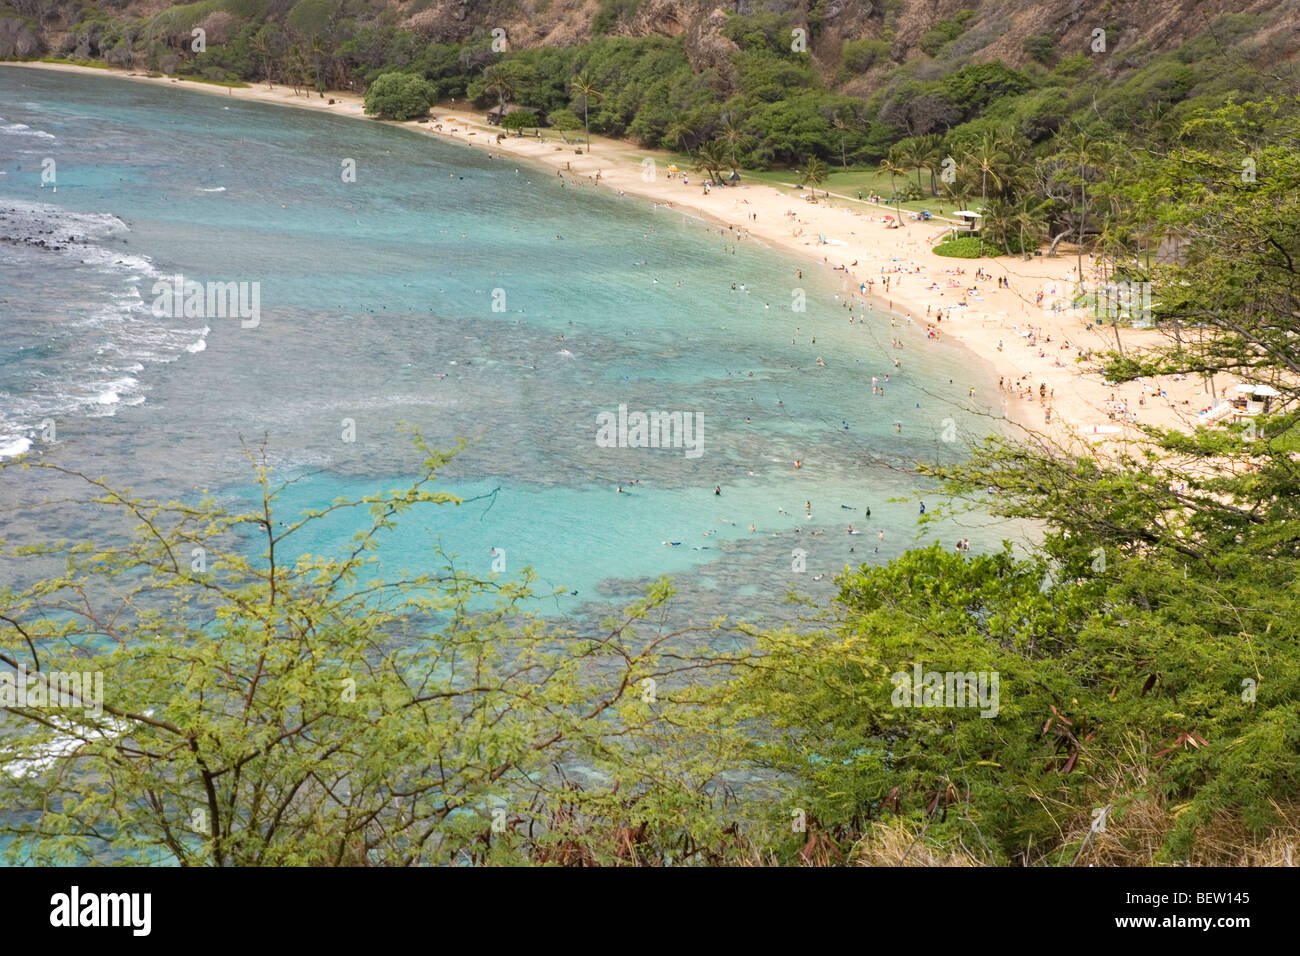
931, 148
320, 59
990, 159
813, 174
682, 132
845, 120
913, 154
496, 80
1082, 153
262, 50
893, 164
734, 135
584, 87
1031, 221
296, 66
1004, 220
711, 157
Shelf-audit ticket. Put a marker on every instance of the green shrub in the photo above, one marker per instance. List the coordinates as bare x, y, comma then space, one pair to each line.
1040, 47
399, 96
858, 56
612, 13
944, 32
966, 247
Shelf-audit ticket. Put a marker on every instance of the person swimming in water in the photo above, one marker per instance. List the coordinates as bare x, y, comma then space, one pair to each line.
717, 489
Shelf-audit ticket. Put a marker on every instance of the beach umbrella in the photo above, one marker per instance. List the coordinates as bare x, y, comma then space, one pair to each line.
1248, 389
672, 168
1267, 390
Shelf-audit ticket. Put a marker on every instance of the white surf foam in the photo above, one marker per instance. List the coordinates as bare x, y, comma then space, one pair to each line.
11, 446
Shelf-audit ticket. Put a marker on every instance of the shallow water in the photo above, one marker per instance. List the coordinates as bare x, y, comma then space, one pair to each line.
377, 309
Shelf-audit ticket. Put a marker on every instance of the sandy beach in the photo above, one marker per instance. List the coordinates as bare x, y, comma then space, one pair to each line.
1010, 312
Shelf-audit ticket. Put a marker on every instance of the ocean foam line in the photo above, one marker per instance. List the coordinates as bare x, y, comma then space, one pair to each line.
22, 129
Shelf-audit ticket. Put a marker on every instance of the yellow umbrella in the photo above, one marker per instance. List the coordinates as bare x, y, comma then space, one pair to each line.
672, 169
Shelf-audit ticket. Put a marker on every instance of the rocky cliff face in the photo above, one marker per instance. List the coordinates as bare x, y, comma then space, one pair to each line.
995, 29
19, 39
911, 30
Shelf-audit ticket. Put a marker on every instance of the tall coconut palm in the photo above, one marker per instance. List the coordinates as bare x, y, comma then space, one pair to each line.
1082, 153
914, 155
989, 158
320, 58
813, 174
930, 148
734, 135
262, 50
844, 121
585, 88
1031, 222
893, 164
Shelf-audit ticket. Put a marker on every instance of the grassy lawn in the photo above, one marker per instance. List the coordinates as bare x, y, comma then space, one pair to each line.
845, 182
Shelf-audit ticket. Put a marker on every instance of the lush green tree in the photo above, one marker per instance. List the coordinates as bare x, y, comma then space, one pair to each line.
265, 706
565, 121
974, 88
519, 120
499, 84
1228, 200
711, 159
399, 96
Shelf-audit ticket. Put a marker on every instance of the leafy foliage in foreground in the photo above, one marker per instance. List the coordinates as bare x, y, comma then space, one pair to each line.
286, 709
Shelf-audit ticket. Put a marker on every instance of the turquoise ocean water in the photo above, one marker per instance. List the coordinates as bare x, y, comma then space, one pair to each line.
377, 307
